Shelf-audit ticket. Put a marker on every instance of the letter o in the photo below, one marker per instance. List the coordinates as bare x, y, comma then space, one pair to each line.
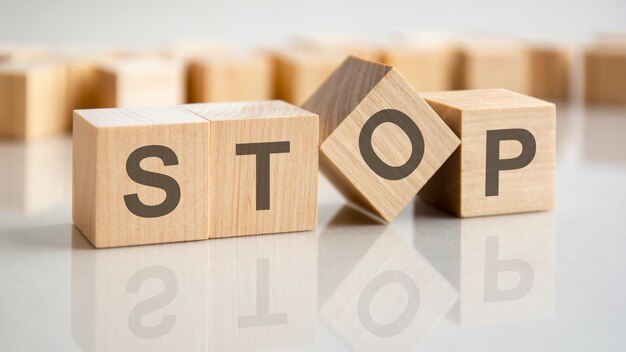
374, 162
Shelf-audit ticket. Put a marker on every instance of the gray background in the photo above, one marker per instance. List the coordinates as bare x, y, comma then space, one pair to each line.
252, 22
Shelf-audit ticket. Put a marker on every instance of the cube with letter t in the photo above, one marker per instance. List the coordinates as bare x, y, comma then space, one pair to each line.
507, 157
263, 162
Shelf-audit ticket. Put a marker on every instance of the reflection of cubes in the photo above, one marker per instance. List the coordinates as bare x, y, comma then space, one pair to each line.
38, 176
262, 292
507, 269
390, 299
150, 298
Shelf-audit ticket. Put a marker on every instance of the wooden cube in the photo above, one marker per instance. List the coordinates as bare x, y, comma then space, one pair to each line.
32, 100
425, 66
493, 64
147, 298
507, 157
381, 142
605, 73
299, 73
22, 53
263, 162
140, 82
549, 71
345, 45
140, 175
360, 294
222, 78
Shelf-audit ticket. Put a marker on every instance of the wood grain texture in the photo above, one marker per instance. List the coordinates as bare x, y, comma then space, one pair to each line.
103, 141
550, 66
460, 185
32, 100
222, 78
233, 190
605, 72
140, 81
379, 87
493, 63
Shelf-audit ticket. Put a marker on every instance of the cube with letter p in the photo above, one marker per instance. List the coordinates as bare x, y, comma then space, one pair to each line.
507, 156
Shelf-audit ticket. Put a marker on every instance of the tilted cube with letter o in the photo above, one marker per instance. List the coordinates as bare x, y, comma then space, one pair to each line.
507, 156
380, 141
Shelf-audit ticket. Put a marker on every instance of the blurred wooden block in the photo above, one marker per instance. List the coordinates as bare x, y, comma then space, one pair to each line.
605, 73
22, 53
381, 142
425, 67
223, 78
299, 73
140, 82
507, 159
32, 100
549, 71
346, 46
263, 164
190, 49
493, 64
140, 175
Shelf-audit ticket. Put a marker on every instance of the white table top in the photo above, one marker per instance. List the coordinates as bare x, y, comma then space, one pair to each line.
428, 281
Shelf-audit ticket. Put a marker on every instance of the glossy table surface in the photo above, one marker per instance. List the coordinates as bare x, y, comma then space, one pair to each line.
427, 281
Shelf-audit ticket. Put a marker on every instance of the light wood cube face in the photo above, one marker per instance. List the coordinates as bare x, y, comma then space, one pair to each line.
605, 73
140, 176
385, 149
230, 78
425, 68
140, 82
494, 64
507, 157
299, 74
32, 100
263, 167
550, 72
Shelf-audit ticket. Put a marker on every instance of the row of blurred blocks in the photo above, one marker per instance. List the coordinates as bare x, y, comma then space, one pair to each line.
39, 88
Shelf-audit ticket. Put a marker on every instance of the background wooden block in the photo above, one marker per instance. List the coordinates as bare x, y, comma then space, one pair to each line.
299, 73
426, 66
245, 197
32, 99
344, 45
549, 71
120, 200
221, 78
379, 168
605, 72
189, 49
493, 63
507, 157
22, 53
140, 82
